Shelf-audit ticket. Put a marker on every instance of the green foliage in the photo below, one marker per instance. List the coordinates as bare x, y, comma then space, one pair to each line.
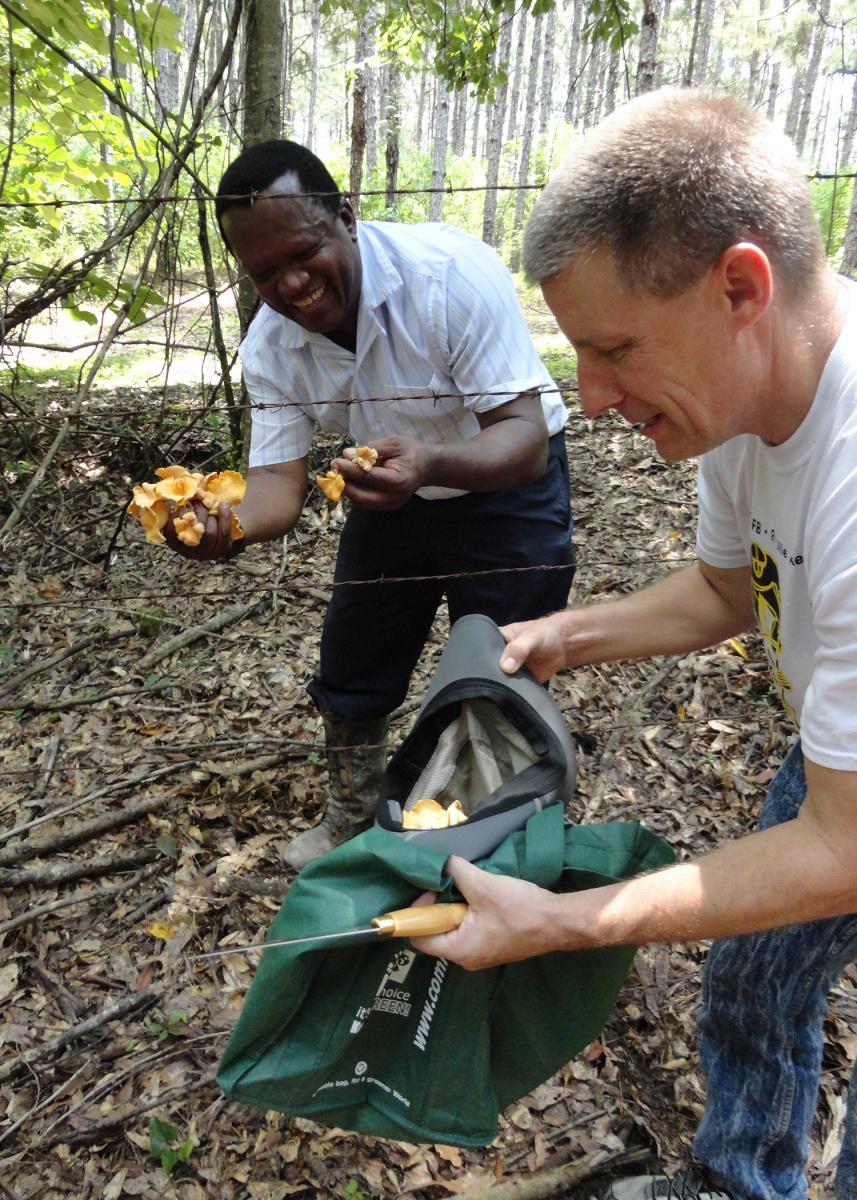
831, 199
167, 1025
162, 1139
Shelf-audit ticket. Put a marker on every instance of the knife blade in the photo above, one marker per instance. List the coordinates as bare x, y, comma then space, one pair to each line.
422, 920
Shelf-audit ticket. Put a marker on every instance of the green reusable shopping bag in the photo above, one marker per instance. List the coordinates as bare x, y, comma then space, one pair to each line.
379, 1039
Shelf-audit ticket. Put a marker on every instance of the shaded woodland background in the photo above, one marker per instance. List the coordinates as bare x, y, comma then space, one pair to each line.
156, 746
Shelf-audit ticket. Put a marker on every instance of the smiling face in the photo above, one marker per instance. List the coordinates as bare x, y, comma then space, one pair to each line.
302, 259
679, 369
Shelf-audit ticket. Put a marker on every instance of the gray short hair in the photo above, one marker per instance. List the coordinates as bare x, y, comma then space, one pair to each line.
668, 182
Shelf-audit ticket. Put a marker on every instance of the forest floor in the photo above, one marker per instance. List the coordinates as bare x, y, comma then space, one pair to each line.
153, 763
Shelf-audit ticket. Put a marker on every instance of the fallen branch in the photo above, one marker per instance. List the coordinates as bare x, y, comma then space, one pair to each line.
43, 910
37, 668
89, 868
118, 1123
220, 620
113, 1012
52, 704
35, 847
556, 1182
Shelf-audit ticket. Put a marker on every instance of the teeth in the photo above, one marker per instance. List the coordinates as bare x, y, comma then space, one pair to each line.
311, 298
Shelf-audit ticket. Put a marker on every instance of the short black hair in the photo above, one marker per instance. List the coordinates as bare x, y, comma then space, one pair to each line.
258, 166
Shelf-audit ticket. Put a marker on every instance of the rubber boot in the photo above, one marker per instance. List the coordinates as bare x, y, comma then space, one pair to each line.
356, 757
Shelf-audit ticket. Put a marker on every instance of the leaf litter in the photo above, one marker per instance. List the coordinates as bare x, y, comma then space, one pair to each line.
152, 789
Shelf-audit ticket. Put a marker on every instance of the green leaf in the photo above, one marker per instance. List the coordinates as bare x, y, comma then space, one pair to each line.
167, 845
169, 1158
161, 1135
185, 1150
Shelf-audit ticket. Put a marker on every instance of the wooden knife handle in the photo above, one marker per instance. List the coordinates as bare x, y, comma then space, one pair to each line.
422, 920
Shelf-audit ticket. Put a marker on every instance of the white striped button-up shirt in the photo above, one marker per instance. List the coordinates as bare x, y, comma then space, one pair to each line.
440, 337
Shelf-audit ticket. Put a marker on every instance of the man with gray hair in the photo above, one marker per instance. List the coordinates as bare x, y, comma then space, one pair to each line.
678, 251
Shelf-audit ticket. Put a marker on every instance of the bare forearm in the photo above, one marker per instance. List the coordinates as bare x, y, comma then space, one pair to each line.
505, 455
681, 612
776, 877
272, 503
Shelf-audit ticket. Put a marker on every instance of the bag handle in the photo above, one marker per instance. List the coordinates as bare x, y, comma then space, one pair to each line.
537, 852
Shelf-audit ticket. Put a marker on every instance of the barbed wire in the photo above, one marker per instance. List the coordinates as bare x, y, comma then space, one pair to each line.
446, 189
246, 593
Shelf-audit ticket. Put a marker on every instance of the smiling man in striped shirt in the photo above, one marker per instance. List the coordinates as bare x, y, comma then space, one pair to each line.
409, 339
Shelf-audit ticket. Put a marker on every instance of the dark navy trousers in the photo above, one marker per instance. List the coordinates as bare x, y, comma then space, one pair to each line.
374, 632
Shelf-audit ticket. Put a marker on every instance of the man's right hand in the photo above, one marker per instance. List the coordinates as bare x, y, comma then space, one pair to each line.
540, 644
215, 543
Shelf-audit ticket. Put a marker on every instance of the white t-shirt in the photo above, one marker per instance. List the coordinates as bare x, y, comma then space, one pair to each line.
791, 512
438, 314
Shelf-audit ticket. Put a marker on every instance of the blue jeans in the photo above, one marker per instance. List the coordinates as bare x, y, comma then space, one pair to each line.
763, 1006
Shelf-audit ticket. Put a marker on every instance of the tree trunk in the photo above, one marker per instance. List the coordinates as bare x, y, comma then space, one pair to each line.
611, 84
846, 149
263, 116
703, 45
773, 92
819, 36
547, 71
849, 249
477, 111
438, 166
372, 112
358, 117
755, 81
495, 139
526, 144
315, 26
288, 47
391, 143
421, 110
459, 121
517, 73
647, 59
592, 103
167, 79
571, 96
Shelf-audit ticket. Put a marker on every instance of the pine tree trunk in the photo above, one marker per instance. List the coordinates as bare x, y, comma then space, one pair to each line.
570, 110
849, 250
647, 59
846, 149
517, 73
315, 26
288, 43
819, 36
358, 118
496, 125
526, 144
592, 103
459, 121
391, 141
547, 71
477, 111
372, 110
438, 168
421, 109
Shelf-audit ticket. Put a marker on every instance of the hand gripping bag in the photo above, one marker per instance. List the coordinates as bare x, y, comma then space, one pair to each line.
379, 1039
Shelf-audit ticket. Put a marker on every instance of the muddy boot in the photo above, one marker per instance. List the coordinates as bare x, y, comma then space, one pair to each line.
356, 757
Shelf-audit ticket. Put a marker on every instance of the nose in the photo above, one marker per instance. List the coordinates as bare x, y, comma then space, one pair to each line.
291, 281
598, 389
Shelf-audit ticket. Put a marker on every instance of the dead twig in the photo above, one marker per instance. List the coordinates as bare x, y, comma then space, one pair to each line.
37, 668
128, 1004
88, 868
43, 910
557, 1181
220, 620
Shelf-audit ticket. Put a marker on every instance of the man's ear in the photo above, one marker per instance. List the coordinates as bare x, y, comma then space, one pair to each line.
745, 279
347, 217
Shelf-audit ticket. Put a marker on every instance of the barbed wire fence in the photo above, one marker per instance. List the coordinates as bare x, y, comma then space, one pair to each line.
136, 436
